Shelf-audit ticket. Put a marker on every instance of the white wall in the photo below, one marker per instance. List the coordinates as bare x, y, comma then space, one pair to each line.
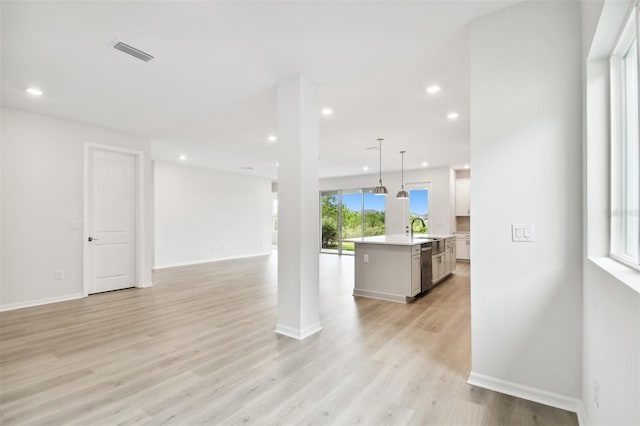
526, 298
203, 215
611, 349
611, 309
42, 193
274, 232
442, 208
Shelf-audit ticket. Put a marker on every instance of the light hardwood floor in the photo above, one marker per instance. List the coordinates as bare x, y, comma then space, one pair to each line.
199, 348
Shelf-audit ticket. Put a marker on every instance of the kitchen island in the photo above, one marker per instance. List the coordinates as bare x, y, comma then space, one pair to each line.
392, 267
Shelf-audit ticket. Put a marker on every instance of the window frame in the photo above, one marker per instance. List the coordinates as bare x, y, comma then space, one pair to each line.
618, 96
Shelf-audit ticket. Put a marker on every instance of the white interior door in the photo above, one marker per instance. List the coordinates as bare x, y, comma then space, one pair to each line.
111, 221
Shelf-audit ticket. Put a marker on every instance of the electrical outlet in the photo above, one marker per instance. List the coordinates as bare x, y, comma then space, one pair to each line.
366, 258
75, 225
59, 275
596, 393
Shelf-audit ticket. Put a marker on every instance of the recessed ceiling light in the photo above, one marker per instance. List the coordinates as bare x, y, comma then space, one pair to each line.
434, 89
365, 168
34, 91
272, 138
424, 164
326, 111
453, 115
182, 157
466, 166
277, 164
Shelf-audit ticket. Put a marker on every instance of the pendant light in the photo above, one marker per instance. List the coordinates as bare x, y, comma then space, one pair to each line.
402, 194
380, 189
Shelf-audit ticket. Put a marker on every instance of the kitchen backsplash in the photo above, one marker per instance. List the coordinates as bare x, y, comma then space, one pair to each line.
463, 224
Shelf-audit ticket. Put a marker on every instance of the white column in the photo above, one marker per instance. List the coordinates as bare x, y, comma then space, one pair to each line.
298, 208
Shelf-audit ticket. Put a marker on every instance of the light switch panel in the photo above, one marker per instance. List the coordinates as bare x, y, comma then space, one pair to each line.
522, 232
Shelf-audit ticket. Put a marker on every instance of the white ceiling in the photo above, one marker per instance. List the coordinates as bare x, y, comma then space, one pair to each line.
210, 91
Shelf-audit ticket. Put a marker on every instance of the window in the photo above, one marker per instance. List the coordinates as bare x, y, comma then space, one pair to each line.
419, 208
349, 214
625, 155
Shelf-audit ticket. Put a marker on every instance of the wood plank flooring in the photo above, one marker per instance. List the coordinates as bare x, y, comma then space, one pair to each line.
199, 348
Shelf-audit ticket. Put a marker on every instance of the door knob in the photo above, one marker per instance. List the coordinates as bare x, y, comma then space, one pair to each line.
92, 239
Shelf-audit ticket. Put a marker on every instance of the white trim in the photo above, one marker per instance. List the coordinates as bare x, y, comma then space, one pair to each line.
621, 272
583, 420
525, 392
85, 225
145, 285
381, 296
38, 302
296, 333
618, 224
210, 260
140, 213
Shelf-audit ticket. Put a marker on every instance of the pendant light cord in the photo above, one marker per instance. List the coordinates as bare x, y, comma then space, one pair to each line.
402, 152
380, 157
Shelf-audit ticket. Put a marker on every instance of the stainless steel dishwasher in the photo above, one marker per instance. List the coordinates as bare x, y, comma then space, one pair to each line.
426, 251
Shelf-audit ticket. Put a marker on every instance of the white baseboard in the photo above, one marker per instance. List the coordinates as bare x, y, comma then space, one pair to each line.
213, 259
525, 392
145, 285
583, 420
380, 296
38, 302
296, 333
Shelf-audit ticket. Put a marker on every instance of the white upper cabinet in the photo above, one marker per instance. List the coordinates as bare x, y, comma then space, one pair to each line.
462, 197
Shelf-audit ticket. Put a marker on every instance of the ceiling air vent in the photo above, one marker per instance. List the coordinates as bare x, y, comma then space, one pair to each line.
136, 53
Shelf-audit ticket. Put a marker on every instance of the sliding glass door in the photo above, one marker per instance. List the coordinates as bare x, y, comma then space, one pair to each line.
351, 218
374, 212
349, 214
329, 219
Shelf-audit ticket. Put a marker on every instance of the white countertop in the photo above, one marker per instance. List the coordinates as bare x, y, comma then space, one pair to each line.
434, 236
397, 239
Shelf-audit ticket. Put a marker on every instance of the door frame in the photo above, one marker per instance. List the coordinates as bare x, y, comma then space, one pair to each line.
140, 212
428, 185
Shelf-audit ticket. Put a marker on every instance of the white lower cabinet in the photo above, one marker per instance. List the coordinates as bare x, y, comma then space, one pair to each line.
463, 247
450, 255
416, 275
445, 263
439, 267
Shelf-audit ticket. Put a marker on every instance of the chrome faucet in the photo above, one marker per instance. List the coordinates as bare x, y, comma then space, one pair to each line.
413, 221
